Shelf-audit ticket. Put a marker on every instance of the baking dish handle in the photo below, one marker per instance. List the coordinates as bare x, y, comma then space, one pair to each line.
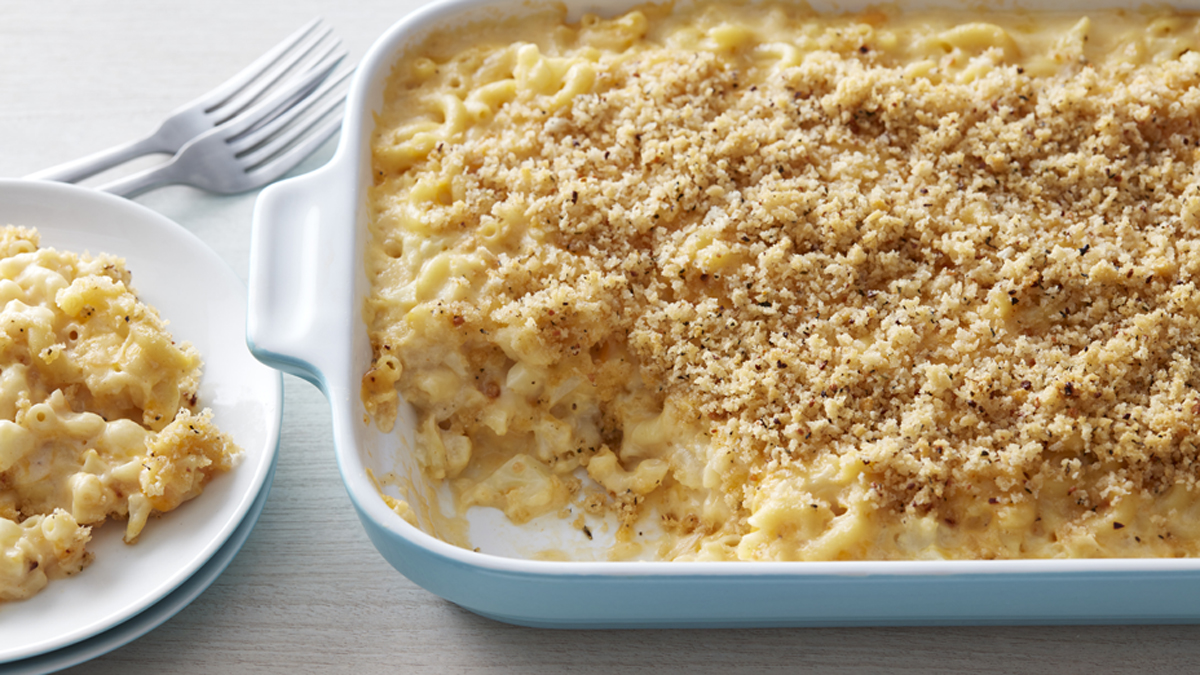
299, 300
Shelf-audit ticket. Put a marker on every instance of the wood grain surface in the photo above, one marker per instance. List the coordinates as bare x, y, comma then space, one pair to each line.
308, 593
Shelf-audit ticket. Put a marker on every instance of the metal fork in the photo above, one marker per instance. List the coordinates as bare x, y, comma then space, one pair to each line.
229, 140
257, 146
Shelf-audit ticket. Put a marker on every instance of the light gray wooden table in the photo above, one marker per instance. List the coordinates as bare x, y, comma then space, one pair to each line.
308, 593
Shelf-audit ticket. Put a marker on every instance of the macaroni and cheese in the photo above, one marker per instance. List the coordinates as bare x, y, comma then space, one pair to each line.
98, 413
801, 287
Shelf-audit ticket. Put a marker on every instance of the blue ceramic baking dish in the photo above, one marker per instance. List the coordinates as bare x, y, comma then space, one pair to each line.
306, 292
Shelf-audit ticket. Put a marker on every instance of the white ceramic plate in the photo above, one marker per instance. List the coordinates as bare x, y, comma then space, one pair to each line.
204, 302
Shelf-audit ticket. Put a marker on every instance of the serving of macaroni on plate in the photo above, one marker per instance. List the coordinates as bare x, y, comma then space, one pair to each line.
792, 286
98, 411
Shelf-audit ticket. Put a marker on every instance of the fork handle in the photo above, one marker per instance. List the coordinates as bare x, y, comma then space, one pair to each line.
135, 184
77, 170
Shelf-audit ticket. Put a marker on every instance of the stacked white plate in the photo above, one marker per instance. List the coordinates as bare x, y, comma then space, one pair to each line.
130, 589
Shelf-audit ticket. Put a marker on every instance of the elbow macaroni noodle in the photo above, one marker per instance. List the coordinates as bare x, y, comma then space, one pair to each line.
801, 287
97, 411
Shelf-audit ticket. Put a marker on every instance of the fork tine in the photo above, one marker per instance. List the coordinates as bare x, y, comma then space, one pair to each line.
281, 142
282, 163
262, 111
254, 146
229, 88
287, 64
